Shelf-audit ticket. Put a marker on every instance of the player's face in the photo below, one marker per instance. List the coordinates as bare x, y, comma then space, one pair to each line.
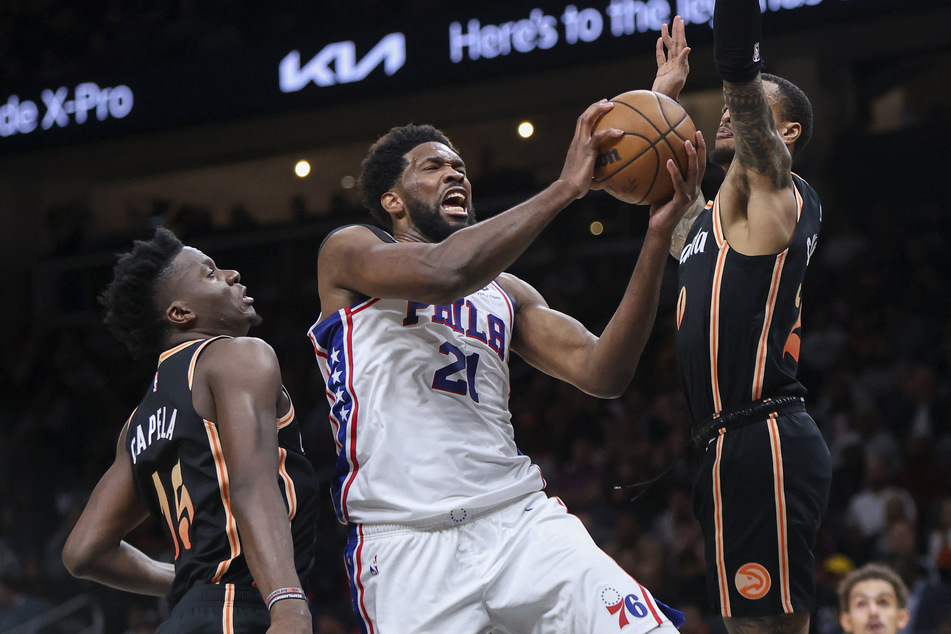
436, 191
724, 147
873, 607
213, 296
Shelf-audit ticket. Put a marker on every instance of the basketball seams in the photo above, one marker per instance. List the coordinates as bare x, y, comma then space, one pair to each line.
637, 177
652, 145
672, 128
644, 116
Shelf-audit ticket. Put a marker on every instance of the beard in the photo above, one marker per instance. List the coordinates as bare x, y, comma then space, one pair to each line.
430, 222
722, 156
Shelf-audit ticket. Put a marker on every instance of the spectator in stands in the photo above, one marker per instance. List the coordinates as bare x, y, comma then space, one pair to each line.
867, 513
873, 598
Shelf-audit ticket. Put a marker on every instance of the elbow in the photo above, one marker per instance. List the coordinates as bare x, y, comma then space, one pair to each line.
76, 558
612, 384
248, 494
607, 389
609, 392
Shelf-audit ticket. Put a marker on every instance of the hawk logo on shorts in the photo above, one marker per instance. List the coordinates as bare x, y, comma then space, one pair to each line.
752, 580
622, 606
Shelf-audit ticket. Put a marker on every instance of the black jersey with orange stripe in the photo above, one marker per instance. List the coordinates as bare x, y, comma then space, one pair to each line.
738, 316
180, 474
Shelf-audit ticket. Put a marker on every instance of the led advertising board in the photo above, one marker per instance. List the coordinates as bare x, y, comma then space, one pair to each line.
372, 60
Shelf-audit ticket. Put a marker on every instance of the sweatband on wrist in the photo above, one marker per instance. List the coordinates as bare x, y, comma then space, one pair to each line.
284, 593
737, 30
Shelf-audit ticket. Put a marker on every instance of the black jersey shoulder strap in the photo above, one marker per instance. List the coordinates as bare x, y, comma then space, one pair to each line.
379, 233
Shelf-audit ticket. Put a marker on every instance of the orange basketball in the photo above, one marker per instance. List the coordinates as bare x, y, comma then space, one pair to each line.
633, 168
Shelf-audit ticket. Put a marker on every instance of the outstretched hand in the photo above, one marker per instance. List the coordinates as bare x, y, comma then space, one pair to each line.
672, 65
664, 216
578, 171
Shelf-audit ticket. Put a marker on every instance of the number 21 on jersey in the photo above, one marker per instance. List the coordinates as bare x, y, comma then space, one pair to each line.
469, 364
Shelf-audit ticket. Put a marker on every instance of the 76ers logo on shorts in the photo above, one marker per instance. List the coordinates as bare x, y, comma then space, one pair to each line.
623, 606
752, 580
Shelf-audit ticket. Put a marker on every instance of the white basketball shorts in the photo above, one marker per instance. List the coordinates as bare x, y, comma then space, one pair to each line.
526, 567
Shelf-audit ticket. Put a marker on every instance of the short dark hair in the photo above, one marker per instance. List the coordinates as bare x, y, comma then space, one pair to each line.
871, 571
386, 160
131, 312
796, 107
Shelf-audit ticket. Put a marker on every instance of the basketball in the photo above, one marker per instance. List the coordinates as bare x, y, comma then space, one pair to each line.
633, 167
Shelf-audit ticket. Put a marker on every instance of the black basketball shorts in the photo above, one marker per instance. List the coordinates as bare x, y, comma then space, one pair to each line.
212, 608
760, 494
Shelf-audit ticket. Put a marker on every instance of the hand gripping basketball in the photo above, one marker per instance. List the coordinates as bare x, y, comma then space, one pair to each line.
632, 168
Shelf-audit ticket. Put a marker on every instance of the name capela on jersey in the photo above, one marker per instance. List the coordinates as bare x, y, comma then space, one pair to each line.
161, 427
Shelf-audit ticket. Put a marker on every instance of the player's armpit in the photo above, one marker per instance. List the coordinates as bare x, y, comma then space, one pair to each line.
759, 220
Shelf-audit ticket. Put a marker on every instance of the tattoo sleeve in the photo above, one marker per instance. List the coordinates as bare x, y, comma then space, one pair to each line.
679, 238
758, 147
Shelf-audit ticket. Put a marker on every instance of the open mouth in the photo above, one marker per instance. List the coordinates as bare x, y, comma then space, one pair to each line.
454, 203
724, 132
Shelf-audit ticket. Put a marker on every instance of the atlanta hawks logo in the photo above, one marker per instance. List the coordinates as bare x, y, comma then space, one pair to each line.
752, 580
623, 606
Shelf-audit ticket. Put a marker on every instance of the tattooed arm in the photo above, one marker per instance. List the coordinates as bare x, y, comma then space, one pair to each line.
679, 238
758, 204
758, 145
757, 201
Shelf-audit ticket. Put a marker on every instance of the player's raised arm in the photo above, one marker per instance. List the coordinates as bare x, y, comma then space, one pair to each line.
434, 267
673, 67
672, 55
757, 200
604, 366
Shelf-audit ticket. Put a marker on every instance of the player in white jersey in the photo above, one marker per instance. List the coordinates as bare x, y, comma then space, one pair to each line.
450, 530
441, 367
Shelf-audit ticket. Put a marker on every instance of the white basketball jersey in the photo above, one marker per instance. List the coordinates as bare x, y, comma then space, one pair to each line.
419, 412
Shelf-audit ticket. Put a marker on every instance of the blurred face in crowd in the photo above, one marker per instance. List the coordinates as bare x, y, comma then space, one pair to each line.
873, 607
